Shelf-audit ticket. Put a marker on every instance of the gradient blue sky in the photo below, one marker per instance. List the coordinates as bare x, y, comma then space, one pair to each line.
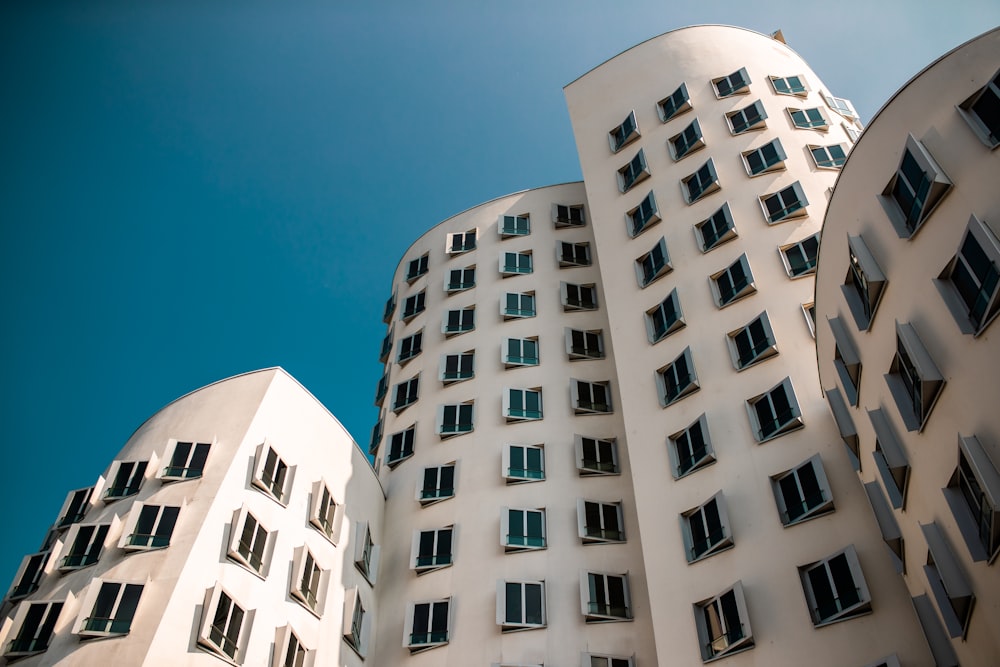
193, 189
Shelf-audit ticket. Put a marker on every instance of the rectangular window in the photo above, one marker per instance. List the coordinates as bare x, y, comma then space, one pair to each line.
913, 379
677, 379
624, 134
381, 390
890, 459
432, 549
390, 308
222, 628
460, 242
522, 529
405, 394
357, 622
634, 172
455, 419
733, 283
187, 461
752, 343
400, 447
85, 542
410, 347
126, 479
605, 597
29, 574
152, 528
665, 318
809, 119
701, 183
35, 623
519, 352
289, 650
982, 111
887, 525
416, 268
785, 204
789, 85
568, 216
578, 297
590, 397
706, 529
458, 367
459, 321
272, 475
687, 141
914, 190
691, 449
970, 283
800, 258
803, 492
413, 305
954, 596
113, 609
573, 254
973, 494
514, 225
717, 229
309, 581
376, 437
835, 588
325, 514
775, 412
846, 360
75, 507
845, 425
594, 660
769, 157
427, 625
437, 484
520, 605
584, 344
864, 283
723, 624
829, 157
809, 313
600, 522
460, 280
250, 544
595, 456
366, 552
737, 83
642, 216
523, 463
653, 265
515, 263
752, 117
675, 104
517, 305
522, 404
386, 346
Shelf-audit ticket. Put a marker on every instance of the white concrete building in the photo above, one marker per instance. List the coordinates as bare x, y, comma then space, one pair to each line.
908, 351
231, 528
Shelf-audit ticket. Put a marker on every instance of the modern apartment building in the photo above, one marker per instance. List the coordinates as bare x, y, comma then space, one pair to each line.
906, 297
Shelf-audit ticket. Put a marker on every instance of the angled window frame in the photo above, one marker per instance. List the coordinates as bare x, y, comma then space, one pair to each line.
400, 446
826, 156
568, 215
973, 108
457, 367
325, 514
32, 627
510, 226
789, 85
674, 104
310, 581
643, 216
887, 525
250, 544
75, 507
596, 456
518, 305
846, 360
584, 344
456, 426
783, 423
737, 83
221, 615
158, 521
890, 459
802, 492
752, 343
84, 545
513, 598
457, 243
432, 631
588, 402
913, 378
829, 595
689, 140
723, 624
600, 522
749, 118
527, 355
970, 282
624, 134
677, 380
926, 191
184, 460
811, 118
522, 463
653, 265
700, 184
409, 347
523, 529
948, 583
460, 279
520, 405
405, 393
764, 159
635, 171
125, 478
605, 596
418, 267
721, 226
864, 283
568, 254
515, 263
799, 258
788, 203
366, 552
664, 318
29, 575
458, 321
437, 475
578, 296
706, 529
973, 495
432, 549
272, 476
690, 449
737, 282
108, 608
289, 651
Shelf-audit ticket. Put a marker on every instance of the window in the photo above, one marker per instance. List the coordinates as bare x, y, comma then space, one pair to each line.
438, 484
250, 544
522, 529
522, 404
595, 456
390, 307
584, 344
455, 419
809, 313
737, 83
677, 379
733, 283
519, 352
75, 507
126, 478
459, 321
568, 216
514, 225
800, 258
841, 106
29, 574
970, 283
187, 461
846, 360
775, 412
113, 610
691, 448
460, 242
829, 157
864, 284
427, 625
405, 394
376, 437
225, 625
914, 190
982, 112
789, 85
853, 132
701, 183
272, 475
400, 447
752, 343
677, 103
769, 157
578, 297
594, 660
590, 397
152, 526
809, 119
386, 347
416, 268
517, 305
413, 305
665, 318
520, 605
357, 622
381, 389
84, 545
599, 522
523, 463
706, 529
973, 494
289, 651
835, 588
940, 645
951, 590
514, 263
890, 459
802, 493
845, 425
410, 347
634, 172
687, 141
747, 118
642, 216
624, 134
653, 265
785, 204
309, 581
366, 552
325, 514
717, 229
431, 549
887, 525
605, 597
913, 379
723, 624
574, 254
460, 280
457, 367
35, 623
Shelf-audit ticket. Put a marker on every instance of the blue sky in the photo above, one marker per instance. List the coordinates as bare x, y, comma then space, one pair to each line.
194, 189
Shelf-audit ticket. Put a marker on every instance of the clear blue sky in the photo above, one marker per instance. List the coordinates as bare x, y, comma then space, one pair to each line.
191, 189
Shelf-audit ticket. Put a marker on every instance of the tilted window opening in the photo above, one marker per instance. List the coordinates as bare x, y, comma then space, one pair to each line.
752, 117
809, 119
675, 104
461, 242
417, 267
665, 318
568, 216
633, 173
835, 588
677, 379
223, 623
706, 529
654, 264
113, 609
520, 352
584, 344
522, 404
458, 367
85, 542
789, 85
438, 484
723, 624
520, 605
687, 141
973, 494
455, 419
864, 283
516, 305
405, 394
578, 297
591, 397
786, 204
913, 379
522, 529
460, 280
459, 321
768, 158
574, 254
35, 623
624, 134
413, 305
600, 522
970, 283
605, 597
752, 343
914, 190
410, 347
433, 549
187, 461
428, 626
515, 263
982, 111
523, 463
800, 258
829, 157
803, 492
127, 479
642, 216
737, 83
596, 456
717, 229
774, 412
153, 527
701, 183
733, 283
514, 225
691, 449
400, 446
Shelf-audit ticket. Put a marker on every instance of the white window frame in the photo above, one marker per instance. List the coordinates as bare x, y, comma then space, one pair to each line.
451, 430
794, 422
462, 326
29, 575
845, 609
590, 407
596, 612
689, 140
133, 476
406, 438
289, 651
697, 517
790, 88
433, 640
597, 466
841, 106
739, 291
170, 472
669, 375
325, 514
725, 643
450, 247
516, 228
310, 581
634, 172
416, 337
390, 308
465, 367
913, 366
643, 216
130, 541
509, 546
805, 120
416, 268
522, 623
809, 313
707, 180
939, 185
206, 629
864, 283
660, 311
509, 362
565, 215
419, 495
509, 413
508, 313
22, 641
97, 536
968, 111
973, 494
624, 134
523, 263
263, 553
728, 235
573, 296
647, 267
405, 393
83, 628
743, 114
762, 154
270, 482
761, 350
381, 389
695, 438
577, 352
606, 660
366, 552
830, 161
464, 274
413, 305
521, 475
739, 77
603, 533
797, 205
569, 260
808, 267
676, 108
979, 235
810, 469
75, 507
438, 560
